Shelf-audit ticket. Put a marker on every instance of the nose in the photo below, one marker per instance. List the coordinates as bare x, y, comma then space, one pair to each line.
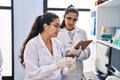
59, 29
72, 22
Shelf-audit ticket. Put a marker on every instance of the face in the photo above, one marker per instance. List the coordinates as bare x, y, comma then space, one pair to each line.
70, 20
54, 28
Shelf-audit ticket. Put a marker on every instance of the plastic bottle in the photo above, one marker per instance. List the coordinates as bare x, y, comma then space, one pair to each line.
116, 39
118, 36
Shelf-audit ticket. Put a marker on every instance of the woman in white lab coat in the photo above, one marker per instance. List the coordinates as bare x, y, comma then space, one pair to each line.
68, 25
1, 62
41, 53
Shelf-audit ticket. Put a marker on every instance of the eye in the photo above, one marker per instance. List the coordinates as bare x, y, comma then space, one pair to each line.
69, 18
75, 19
56, 25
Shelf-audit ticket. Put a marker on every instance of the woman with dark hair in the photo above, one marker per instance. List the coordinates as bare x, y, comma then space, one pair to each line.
41, 53
69, 35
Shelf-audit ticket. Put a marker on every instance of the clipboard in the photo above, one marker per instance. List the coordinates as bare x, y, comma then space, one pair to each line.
83, 44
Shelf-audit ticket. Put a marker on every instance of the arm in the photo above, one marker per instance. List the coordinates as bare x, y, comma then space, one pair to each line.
84, 54
69, 69
79, 53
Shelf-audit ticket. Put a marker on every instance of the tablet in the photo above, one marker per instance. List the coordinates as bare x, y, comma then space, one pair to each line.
83, 44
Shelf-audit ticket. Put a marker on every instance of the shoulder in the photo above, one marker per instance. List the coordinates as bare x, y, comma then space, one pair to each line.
79, 30
63, 30
33, 41
61, 33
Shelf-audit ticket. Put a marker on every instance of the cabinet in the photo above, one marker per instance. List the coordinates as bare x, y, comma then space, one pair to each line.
108, 15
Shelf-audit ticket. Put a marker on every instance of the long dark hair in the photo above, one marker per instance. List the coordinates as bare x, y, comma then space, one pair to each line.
69, 9
36, 29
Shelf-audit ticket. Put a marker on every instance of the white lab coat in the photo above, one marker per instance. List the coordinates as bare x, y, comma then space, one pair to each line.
39, 63
79, 34
1, 62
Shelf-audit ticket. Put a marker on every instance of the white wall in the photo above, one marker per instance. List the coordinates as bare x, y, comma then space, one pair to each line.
25, 12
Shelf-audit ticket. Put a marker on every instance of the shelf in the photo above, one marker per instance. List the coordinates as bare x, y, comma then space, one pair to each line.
108, 44
107, 15
110, 3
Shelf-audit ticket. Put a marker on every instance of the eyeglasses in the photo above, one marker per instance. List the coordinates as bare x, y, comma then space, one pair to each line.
56, 25
73, 19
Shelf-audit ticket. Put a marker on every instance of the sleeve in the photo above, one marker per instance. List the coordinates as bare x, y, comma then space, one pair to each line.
33, 71
86, 53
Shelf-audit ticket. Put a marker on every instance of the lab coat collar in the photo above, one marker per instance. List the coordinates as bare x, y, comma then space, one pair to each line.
41, 41
75, 30
43, 44
54, 45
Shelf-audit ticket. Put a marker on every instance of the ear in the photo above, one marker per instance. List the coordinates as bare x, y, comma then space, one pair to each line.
45, 26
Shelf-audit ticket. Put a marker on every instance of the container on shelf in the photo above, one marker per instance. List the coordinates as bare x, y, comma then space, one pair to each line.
97, 2
116, 38
107, 33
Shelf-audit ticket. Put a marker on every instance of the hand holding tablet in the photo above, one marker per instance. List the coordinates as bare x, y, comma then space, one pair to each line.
83, 44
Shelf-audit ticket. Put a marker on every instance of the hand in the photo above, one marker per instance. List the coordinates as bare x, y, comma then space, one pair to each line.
72, 67
65, 62
75, 51
68, 54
